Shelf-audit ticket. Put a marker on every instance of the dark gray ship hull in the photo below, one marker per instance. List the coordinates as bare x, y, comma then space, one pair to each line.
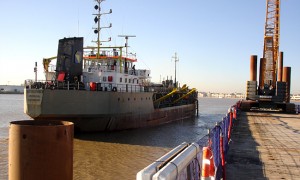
101, 111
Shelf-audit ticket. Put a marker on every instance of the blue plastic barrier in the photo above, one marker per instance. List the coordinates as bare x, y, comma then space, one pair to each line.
192, 167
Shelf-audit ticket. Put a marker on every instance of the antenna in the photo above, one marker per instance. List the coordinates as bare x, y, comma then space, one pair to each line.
126, 44
176, 59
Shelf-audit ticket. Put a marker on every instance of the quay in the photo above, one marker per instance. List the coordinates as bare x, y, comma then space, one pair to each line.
264, 146
244, 145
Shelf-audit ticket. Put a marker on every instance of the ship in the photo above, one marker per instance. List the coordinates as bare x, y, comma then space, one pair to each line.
99, 88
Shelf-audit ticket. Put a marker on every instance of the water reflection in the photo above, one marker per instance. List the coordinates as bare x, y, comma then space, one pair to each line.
167, 135
120, 154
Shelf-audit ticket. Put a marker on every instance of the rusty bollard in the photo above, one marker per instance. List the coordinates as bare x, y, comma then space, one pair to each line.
40, 150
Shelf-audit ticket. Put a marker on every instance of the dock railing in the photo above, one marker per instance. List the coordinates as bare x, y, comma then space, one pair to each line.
204, 159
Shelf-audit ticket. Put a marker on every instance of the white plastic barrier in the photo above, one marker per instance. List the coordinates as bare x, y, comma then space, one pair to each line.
178, 164
148, 172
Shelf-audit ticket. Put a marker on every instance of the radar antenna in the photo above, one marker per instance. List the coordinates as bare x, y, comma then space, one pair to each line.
126, 44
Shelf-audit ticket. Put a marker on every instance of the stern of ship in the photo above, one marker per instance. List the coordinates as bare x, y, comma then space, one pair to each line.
33, 102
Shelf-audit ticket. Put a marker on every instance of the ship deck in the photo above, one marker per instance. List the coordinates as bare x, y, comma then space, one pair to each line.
264, 146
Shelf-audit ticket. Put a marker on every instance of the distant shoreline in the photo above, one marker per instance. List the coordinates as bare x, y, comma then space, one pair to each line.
9, 92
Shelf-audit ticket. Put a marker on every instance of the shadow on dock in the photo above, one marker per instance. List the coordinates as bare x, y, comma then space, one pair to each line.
265, 146
243, 155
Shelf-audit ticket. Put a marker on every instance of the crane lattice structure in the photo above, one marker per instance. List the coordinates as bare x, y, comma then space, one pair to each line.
271, 42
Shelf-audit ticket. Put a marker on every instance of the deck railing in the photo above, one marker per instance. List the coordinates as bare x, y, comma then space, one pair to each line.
113, 87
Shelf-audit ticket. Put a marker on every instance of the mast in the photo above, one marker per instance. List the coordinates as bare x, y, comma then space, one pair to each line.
176, 59
97, 30
126, 45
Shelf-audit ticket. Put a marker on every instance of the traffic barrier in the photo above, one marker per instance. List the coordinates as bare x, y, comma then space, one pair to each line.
208, 169
177, 167
191, 163
148, 172
219, 140
230, 124
222, 157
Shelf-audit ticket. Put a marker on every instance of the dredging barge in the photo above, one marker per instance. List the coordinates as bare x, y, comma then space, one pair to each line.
103, 91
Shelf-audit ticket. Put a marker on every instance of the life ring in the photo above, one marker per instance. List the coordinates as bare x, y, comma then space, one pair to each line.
114, 89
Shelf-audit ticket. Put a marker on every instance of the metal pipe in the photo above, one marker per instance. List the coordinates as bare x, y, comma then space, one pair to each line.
262, 72
280, 67
286, 77
40, 150
253, 68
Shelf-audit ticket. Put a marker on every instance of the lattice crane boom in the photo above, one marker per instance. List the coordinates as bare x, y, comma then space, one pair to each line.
271, 43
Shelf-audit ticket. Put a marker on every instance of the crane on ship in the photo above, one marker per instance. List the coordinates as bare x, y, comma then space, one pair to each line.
46, 63
273, 89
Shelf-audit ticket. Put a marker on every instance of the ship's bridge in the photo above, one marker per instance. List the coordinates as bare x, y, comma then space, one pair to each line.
113, 69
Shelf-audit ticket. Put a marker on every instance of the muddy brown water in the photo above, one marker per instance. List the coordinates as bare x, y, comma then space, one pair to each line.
118, 155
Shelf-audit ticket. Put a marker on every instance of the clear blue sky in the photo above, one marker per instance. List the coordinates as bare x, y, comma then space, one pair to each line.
213, 39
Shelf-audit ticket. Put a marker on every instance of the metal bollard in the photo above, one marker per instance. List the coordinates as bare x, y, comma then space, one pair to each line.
40, 150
